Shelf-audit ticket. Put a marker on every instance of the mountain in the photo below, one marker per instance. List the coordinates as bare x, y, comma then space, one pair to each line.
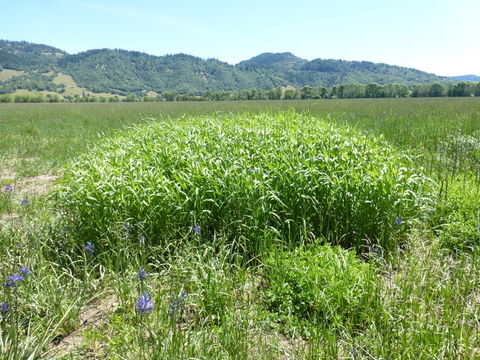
22, 55
279, 61
125, 72
465, 78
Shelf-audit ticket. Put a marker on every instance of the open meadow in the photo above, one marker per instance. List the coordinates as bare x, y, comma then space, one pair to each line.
309, 229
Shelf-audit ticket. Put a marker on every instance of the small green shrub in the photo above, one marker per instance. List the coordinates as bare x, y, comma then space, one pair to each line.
252, 179
321, 285
459, 216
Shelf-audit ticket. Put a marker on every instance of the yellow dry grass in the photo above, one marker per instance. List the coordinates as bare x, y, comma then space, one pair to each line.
72, 89
7, 74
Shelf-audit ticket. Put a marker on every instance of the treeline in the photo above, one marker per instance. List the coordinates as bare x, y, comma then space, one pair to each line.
347, 91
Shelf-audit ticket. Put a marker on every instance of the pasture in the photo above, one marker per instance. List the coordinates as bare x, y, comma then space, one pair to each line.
240, 230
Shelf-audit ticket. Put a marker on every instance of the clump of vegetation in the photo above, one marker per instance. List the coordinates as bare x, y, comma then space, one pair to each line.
321, 285
253, 179
458, 217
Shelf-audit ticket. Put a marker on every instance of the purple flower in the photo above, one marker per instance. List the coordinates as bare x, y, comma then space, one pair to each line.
144, 303
376, 250
4, 308
24, 270
89, 248
13, 279
142, 274
127, 227
176, 303
142, 239
24, 202
197, 230
8, 188
398, 221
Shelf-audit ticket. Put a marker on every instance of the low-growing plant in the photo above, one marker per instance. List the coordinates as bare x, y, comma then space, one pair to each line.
253, 179
457, 217
320, 285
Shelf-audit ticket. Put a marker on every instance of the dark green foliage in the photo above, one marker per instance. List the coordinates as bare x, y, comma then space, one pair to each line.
126, 72
458, 217
322, 285
22, 55
32, 82
328, 72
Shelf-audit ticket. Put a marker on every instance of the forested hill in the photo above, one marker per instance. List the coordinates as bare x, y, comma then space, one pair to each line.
124, 72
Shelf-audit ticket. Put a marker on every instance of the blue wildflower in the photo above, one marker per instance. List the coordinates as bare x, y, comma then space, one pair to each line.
13, 279
142, 239
8, 188
24, 202
376, 250
89, 248
4, 308
398, 221
176, 303
144, 303
142, 274
197, 230
127, 227
24, 270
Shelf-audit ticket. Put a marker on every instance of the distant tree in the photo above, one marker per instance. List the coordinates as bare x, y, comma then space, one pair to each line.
420, 90
395, 91
373, 91
5, 98
437, 90
36, 98
170, 95
130, 98
291, 94
280, 93
53, 98
272, 94
462, 89
309, 92
21, 98
352, 91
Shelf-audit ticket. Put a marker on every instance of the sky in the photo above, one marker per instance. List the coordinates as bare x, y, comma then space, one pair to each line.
437, 36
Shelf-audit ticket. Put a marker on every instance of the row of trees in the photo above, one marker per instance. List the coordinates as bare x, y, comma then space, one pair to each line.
30, 98
347, 91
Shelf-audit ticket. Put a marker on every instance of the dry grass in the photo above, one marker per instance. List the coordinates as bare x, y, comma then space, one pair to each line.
7, 74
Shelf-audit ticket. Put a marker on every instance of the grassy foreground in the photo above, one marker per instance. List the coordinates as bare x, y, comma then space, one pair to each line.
124, 294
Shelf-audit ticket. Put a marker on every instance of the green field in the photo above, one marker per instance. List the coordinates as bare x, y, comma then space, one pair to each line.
267, 230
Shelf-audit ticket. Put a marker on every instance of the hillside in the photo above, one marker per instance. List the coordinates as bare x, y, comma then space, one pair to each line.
466, 78
124, 72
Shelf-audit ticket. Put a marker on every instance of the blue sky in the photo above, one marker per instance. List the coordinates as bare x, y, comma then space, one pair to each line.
437, 36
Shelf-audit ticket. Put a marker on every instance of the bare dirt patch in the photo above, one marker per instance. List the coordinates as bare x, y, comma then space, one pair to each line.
7, 174
8, 217
37, 185
93, 316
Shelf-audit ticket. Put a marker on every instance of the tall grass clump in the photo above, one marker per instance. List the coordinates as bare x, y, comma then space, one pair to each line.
251, 179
